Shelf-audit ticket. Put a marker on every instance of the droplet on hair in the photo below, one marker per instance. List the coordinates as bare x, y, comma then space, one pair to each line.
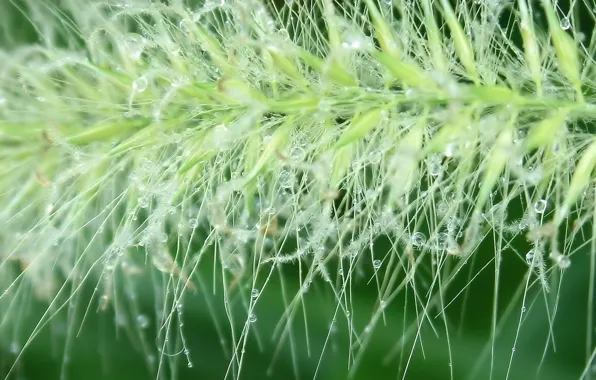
140, 84
143, 321
418, 239
377, 264
540, 206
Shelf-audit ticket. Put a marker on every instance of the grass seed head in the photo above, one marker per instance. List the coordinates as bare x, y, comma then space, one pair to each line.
254, 145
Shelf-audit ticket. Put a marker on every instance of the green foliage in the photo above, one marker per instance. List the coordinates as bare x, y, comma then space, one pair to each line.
333, 186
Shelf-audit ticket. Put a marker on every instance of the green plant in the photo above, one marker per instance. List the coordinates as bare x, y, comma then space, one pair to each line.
142, 141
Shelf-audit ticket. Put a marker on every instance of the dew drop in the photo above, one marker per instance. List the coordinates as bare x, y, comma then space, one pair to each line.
140, 84
355, 40
255, 293
442, 240
418, 239
143, 321
563, 261
305, 287
103, 302
193, 223
134, 44
286, 179
450, 149
15, 348
221, 136
540, 206
185, 25
377, 264
296, 154
581, 37
565, 24
252, 318
529, 257
434, 165
143, 202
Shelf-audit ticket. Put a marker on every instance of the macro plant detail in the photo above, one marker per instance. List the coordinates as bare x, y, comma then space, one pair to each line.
227, 149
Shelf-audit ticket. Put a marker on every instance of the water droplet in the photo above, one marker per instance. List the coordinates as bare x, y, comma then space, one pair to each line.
434, 165
103, 302
193, 223
297, 154
563, 261
520, 135
134, 44
143, 202
442, 207
581, 37
14, 348
143, 321
286, 179
305, 287
442, 240
140, 84
540, 206
377, 264
252, 318
255, 293
185, 25
418, 239
221, 136
354, 39
565, 23
529, 257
